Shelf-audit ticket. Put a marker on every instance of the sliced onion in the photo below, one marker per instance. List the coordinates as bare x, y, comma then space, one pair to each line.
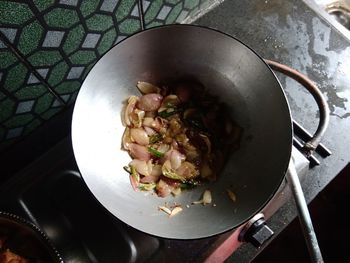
136, 117
175, 145
146, 88
150, 102
207, 197
139, 152
170, 101
129, 109
176, 159
165, 209
163, 148
159, 124
149, 179
126, 139
156, 170
163, 189
149, 131
140, 136
175, 211
142, 167
147, 121
231, 195
133, 182
187, 170
151, 114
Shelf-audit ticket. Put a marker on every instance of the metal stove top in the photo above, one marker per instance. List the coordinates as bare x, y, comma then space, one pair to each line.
49, 191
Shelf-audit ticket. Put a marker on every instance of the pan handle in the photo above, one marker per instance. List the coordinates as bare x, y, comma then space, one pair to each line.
312, 144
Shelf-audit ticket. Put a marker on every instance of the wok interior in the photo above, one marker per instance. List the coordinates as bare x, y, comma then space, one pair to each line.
228, 69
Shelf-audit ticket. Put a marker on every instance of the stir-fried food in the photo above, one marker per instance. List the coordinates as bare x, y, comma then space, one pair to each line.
178, 136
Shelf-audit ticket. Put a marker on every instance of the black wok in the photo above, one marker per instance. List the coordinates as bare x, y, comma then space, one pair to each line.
229, 69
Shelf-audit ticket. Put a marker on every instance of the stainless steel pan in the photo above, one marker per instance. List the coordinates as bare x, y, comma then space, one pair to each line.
229, 69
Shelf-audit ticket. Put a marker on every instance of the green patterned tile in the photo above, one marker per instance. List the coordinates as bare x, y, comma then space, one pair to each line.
30, 37
61, 18
31, 126
58, 73
6, 59
124, 9
68, 87
87, 7
15, 77
73, 97
107, 41
74, 39
172, 1
189, 4
87, 70
174, 13
99, 22
31, 92
154, 24
153, 10
18, 120
7, 107
82, 57
62, 44
14, 13
129, 26
43, 103
43, 4
44, 58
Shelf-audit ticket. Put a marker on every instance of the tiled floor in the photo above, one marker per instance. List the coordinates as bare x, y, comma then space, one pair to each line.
329, 213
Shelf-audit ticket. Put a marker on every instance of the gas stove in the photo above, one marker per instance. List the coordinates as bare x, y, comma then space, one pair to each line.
49, 191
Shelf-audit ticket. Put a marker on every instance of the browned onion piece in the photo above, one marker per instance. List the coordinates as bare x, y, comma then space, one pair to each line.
139, 152
149, 179
139, 135
141, 166
163, 189
150, 102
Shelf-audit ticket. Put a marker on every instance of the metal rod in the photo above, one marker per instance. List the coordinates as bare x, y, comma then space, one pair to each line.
305, 136
304, 215
313, 160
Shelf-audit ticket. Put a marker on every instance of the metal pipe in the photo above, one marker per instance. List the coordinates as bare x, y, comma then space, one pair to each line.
304, 215
312, 144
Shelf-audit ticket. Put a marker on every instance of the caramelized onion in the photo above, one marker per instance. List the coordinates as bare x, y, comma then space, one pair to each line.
140, 136
139, 152
150, 102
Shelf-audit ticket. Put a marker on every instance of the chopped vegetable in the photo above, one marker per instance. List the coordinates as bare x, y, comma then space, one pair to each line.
155, 138
206, 198
178, 137
175, 211
168, 112
165, 209
170, 173
155, 153
147, 187
231, 195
